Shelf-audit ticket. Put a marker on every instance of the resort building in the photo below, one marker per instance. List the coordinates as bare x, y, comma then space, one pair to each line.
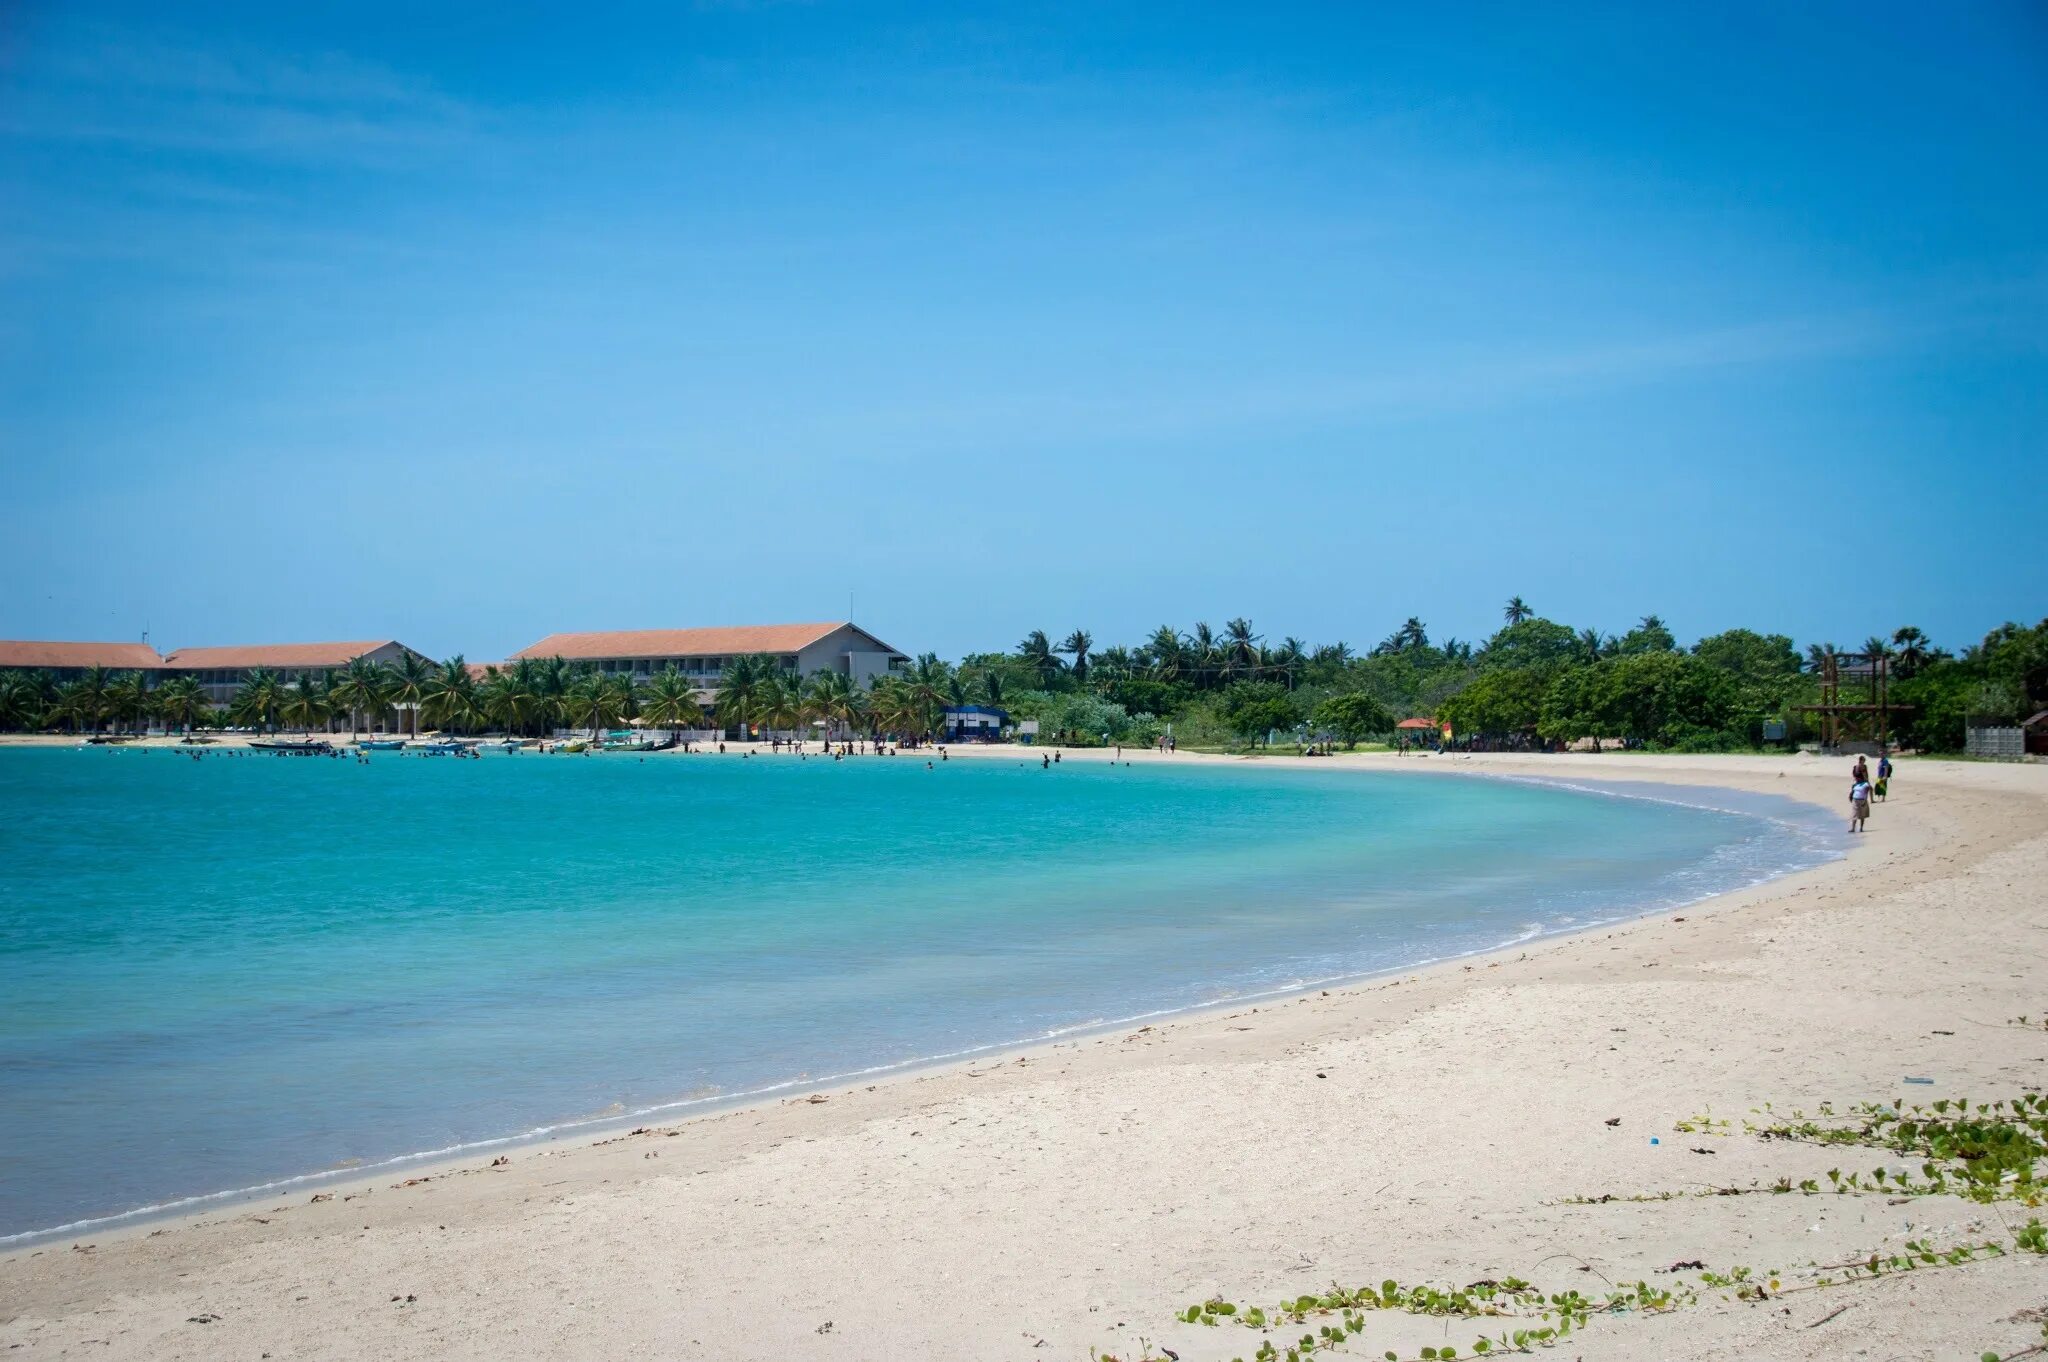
702, 654
68, 661
221, 671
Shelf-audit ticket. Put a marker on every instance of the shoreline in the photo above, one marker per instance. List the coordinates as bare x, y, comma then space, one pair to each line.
1920, 842
571, 1133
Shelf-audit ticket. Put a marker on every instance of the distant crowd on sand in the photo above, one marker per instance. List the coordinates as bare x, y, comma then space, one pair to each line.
1863, 790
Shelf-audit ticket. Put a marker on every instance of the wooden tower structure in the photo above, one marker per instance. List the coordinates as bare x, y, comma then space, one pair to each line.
1855, 701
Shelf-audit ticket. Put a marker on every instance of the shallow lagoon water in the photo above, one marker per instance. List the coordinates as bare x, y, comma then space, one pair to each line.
222, 973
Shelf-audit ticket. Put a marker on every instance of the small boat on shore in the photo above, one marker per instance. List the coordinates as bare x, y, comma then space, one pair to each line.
505, 745
573, 745
382, 744
284, 748
439, 747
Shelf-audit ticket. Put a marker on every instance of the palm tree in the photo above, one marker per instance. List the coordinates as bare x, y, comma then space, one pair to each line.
24, 699
1201, 647
1590, 649
408, 685
834, 699
739, 693
306, 702
91, 696
181, 701
1818, 655
925, 688
1413, 634
622, 697
258, 699
1516, 610
1165, 654
782, 701
77, 704
1291, 657
128, 698
588, 701
1240, 647
448, 695
1037, 650
1877, 646
512, 698
364, 689
1913, 650
1076, 646
672, 701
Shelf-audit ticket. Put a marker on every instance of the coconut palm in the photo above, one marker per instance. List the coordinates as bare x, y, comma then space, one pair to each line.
782, 701
23, 699
1289, 659
1201, 660
597, 700
181, 701
364, 690
672, 701
258, 699
832, 697
1877, 646
1913, 650
1591, 647
1168, 654
1036, 649
739, 693
89, 699
1413, 635
306, 702
1516, 610
511, 698
448, 695
1240, 648
128, 699
925, 689
1076, 646
1818, 655
409, 676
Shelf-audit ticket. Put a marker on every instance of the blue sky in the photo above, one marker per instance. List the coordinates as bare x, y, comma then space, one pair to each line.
372, 321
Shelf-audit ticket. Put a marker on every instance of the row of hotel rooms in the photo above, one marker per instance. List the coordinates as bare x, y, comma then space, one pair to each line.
701, 654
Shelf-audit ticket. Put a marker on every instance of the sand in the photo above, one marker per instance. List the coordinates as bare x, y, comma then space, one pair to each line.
1075, 1196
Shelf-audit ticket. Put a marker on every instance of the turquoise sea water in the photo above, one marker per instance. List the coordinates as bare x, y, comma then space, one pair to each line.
221, 973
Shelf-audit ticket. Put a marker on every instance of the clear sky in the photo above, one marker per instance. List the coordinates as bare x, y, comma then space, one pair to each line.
370, 321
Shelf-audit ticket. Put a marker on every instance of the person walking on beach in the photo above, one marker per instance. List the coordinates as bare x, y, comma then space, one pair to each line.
1859, 805
1884, 776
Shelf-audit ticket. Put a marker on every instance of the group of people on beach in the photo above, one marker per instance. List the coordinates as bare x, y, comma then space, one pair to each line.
1863, 790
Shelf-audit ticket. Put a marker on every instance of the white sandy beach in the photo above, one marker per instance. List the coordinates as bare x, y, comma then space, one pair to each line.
1078, 1195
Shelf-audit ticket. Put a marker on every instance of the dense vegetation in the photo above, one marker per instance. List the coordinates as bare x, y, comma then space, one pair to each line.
1533, 681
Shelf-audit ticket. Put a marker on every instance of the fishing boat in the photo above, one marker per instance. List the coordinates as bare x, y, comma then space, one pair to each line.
505, 745
287, 748
573, 745
382, 744
439, 747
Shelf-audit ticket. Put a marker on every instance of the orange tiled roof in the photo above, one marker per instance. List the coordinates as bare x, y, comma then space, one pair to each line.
276, 654
120, 656
478, 670
752, 638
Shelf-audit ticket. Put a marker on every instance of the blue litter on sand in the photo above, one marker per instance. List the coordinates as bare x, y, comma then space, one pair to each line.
1653, 1139
1927, 1081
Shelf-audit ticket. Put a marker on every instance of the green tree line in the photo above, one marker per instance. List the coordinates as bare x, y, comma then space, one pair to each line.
1533, 680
